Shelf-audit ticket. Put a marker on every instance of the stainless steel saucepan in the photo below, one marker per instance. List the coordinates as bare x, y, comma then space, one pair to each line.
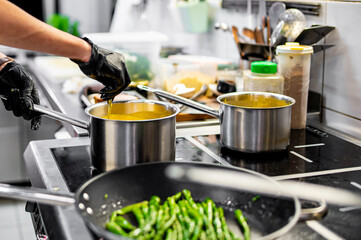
245, 129
120, 143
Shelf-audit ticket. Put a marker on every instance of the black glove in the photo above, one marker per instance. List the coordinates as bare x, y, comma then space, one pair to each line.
17, 87
108, 68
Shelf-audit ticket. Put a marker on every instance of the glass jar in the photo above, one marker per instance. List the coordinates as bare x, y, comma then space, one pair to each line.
263, 77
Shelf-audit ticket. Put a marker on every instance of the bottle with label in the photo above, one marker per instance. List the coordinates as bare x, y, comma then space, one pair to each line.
263, 77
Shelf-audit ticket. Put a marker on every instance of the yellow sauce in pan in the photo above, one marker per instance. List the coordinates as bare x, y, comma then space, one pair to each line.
136, 116
256, 101
132, 112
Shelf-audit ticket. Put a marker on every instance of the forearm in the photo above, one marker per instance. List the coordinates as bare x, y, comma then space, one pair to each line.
20, 30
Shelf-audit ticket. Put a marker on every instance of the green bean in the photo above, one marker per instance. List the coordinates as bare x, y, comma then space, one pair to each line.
234, 237
149, 235
135, 233
191, 224
139, 216
145, 210
242, 221
200, 208
122, 222
199, 222
177, 196
115, 228
167, 224
209, 203
203, 236
227, 235
166, 213
130, 208
152, 213
174, 209
170, 234
255, 198
182, 220
209, 229
188, 196
217, 223
160, 216
178, 227
154, 200
172, 205
113, 216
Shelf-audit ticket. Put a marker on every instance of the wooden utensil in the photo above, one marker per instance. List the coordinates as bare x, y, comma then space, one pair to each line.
259, 35
248, 32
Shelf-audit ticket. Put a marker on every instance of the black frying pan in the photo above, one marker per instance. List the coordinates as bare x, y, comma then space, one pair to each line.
268, 217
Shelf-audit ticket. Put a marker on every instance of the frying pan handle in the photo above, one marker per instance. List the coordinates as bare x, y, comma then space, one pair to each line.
181, 100
260, 185
36, 195
61, 117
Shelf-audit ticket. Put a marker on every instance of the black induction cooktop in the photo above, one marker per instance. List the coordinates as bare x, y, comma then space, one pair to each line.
312, 156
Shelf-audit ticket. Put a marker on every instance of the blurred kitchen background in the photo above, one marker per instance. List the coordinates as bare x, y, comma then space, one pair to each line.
335, 72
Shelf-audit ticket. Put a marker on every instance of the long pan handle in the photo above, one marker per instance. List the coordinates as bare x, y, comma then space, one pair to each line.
246, 182
181, 100
60, 116
57, 115
36, 195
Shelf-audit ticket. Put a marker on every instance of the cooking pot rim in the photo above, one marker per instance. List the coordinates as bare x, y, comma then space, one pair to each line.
276, 95
166, 104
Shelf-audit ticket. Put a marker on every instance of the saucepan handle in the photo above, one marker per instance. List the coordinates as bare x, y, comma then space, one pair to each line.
36, 195
61, 117
57, 115
182, 100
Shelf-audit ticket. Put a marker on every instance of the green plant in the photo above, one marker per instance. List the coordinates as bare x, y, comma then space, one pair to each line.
63, 23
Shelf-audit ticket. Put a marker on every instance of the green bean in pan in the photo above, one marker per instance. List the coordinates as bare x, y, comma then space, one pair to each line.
123, 223
243, 222
179, 217
130, 208
115, 228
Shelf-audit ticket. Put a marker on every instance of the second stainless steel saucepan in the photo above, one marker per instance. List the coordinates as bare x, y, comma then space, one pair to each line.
246, 129
120, 143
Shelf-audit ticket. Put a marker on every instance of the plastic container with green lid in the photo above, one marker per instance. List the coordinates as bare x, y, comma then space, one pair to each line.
263, 77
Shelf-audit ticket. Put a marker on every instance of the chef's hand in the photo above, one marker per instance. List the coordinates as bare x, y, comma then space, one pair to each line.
107, 67
17, 86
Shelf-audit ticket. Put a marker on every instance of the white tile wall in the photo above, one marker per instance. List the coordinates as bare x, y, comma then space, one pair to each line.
342, 88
